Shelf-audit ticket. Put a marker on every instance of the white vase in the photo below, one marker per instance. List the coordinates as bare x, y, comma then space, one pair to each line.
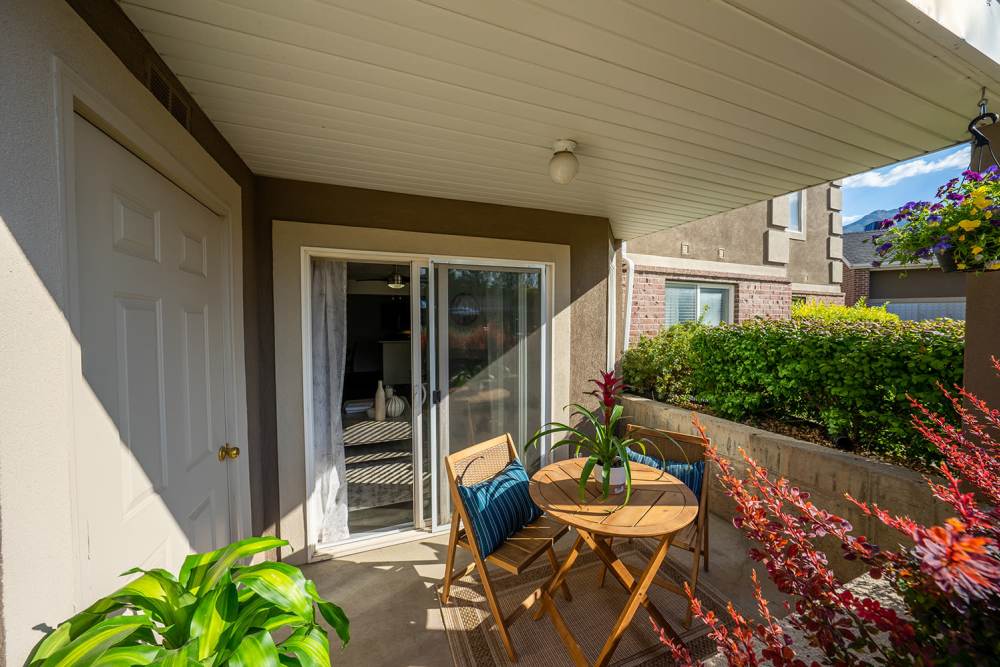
394, 404
380, 403
616, 483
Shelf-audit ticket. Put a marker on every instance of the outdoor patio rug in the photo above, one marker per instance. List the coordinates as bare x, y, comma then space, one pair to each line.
475, 641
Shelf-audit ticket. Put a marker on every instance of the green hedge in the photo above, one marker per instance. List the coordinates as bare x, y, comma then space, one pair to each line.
660, 366
851, 376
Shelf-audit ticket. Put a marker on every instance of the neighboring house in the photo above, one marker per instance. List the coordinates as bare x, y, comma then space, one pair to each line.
735, 266
917, 292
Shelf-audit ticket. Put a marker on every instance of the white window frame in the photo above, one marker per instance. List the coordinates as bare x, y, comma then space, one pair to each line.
730, 296
800, 234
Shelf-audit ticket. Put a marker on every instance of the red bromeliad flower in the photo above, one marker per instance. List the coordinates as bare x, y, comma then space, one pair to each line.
609, 389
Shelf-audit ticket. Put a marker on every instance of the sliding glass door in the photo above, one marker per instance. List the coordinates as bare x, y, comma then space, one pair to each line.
490, 347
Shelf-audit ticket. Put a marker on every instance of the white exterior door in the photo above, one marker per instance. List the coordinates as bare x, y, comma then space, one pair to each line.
152, 415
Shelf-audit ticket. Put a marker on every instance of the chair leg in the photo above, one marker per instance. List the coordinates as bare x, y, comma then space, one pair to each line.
497, 615
450, 566
555, 568
705, 545
604, 568
696, 556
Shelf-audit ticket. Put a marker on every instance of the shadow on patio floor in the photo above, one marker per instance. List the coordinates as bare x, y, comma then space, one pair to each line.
390, 595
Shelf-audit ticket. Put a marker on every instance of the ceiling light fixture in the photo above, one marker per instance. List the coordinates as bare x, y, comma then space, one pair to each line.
396, 281
563, 165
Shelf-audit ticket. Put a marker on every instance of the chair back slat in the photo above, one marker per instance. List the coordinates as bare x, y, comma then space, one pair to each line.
480, 462
668, 445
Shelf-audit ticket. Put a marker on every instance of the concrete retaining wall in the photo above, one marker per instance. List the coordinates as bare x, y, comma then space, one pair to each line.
825, 472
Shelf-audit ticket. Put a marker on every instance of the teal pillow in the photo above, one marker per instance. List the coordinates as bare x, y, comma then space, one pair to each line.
689, 473
499, 507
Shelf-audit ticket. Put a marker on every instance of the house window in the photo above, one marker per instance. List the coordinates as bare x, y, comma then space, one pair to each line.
797, 215
690, 301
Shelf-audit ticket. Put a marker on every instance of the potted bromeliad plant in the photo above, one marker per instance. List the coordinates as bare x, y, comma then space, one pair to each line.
607, 452
215, 612
962, 229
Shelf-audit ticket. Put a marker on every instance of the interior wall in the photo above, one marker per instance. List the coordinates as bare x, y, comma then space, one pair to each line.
281, 199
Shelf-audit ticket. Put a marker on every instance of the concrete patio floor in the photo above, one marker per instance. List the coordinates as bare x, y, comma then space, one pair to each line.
390, 595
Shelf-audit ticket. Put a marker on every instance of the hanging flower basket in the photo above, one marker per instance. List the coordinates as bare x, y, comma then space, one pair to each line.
961, 229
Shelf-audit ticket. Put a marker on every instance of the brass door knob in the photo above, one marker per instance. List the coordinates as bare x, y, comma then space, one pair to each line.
228, 452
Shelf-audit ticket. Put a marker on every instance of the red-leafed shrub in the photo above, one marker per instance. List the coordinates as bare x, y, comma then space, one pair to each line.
949, 581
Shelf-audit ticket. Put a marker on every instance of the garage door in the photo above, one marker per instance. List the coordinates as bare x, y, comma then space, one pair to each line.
150, 485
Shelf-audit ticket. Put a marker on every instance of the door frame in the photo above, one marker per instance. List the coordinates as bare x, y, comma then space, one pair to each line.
416, 262
144, 128
439, 362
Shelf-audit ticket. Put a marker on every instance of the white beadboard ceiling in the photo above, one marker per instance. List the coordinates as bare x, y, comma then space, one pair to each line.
681, 108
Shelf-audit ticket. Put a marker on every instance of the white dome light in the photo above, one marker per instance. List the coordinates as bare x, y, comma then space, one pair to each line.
563, 165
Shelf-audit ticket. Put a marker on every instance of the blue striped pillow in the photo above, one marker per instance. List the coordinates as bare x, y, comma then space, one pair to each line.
499, 507
689, 473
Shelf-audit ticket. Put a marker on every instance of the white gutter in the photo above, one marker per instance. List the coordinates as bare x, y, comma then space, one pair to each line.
612, 307
628, 295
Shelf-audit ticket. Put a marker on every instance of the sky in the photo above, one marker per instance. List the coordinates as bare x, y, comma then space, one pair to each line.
913, 180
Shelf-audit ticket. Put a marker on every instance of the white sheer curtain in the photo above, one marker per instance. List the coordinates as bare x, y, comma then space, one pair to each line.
329, 352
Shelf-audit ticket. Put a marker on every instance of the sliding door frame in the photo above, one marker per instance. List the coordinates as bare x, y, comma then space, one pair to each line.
416, 261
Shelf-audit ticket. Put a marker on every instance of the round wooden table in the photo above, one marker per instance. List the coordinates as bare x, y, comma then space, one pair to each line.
660, 506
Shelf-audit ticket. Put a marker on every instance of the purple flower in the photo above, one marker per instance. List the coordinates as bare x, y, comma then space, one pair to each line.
884, 248
937, 207
942, 245
956, 197
876, 263
924, 252
886, 224
972, 175
934, 218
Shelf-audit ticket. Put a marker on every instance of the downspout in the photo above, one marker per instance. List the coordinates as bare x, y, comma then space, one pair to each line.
628, 296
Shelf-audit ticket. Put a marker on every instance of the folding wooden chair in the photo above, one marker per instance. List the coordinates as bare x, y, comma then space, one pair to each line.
471, 466
684, 448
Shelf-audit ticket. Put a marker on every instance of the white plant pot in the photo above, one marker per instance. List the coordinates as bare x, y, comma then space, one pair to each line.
617, 481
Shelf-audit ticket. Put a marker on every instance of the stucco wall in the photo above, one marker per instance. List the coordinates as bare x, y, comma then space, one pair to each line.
824, 472
37, 527
298, 201
807, 258
739, 232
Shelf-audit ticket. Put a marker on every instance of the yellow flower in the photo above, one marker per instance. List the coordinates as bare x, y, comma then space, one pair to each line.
969, 225
988, 214
961, 265
979, 198
933, 224
953, 228
962, 237
976, 250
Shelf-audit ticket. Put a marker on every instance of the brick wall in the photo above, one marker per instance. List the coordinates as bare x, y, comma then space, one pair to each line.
821, 297
754, 296
856, 284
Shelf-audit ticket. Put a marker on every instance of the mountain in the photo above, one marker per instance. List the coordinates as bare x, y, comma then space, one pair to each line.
869, 222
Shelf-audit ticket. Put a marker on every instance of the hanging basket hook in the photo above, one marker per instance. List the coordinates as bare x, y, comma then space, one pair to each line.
978, 137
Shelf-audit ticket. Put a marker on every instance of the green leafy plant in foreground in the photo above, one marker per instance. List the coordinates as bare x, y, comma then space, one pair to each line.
214, 612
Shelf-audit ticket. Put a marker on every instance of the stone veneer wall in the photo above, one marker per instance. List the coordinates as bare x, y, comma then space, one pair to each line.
825, 472
755, 296
856, 284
